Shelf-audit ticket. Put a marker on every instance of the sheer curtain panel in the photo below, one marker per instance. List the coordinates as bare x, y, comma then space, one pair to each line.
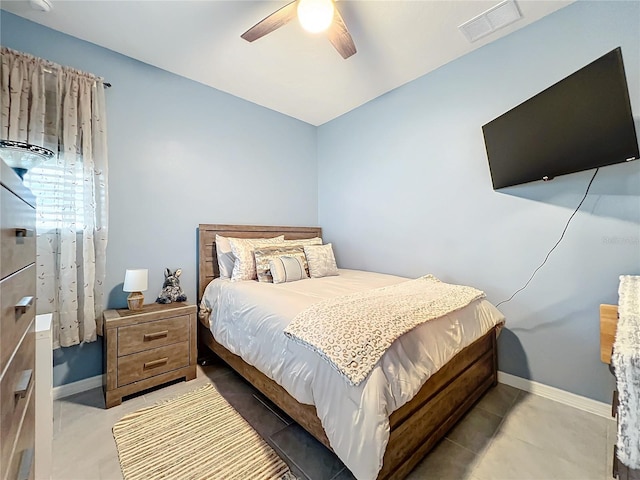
64, 110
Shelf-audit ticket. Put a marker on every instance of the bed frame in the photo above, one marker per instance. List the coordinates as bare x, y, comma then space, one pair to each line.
417, 426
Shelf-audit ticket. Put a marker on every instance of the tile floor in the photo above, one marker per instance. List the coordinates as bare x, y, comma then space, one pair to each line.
509, 434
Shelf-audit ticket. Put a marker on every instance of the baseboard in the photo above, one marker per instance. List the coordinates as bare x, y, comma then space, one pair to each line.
83, 385
552, 393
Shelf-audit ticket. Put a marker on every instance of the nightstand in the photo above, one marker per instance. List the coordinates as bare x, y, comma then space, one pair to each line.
148, 347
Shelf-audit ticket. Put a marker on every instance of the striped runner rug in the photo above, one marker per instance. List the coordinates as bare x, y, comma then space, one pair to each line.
197, 435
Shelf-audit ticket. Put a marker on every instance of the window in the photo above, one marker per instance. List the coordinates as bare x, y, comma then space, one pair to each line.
58, 188
59, 195
59, 108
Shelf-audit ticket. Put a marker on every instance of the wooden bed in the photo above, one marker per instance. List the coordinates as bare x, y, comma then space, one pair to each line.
417, 426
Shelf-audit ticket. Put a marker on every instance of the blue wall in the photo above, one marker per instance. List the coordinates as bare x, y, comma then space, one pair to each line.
404, 188
180, 154
401, 184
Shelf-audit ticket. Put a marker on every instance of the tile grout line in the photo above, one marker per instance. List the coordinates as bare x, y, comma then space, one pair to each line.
458, 445
336, 475
271, 410
290, 459
482, 455
275, 433
522, 394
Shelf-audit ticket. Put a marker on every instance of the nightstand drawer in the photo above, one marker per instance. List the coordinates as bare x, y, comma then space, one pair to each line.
17, 383
149, 363
145, 336
18, 301
18, 238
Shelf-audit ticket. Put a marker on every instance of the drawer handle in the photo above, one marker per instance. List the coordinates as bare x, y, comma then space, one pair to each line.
614, 404
26, 461
23, 384
156, 363
24, 232
155, 335
23, 305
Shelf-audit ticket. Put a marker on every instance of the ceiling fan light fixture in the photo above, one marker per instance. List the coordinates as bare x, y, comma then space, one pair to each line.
315, 16
41, 5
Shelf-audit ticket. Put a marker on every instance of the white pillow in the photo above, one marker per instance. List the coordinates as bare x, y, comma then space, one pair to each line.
244, 266
287, 269
264, 254
321, 261
225, 256
304, 241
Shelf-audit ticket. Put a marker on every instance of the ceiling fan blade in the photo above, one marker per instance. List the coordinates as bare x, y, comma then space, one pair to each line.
274, 21
340, 37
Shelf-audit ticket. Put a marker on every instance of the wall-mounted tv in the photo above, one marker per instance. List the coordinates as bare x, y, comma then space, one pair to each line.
582, 122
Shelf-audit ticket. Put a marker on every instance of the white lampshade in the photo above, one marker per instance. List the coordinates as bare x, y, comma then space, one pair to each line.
315, 16
136, 280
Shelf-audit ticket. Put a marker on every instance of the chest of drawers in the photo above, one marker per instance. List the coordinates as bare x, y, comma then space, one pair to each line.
146, 348
17, 327
608, 327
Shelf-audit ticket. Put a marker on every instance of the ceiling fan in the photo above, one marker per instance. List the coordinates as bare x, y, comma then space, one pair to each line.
315, 16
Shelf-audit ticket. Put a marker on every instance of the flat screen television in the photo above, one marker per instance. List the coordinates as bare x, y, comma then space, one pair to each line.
582, 122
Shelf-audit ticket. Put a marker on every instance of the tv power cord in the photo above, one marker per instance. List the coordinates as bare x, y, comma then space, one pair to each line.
557, 243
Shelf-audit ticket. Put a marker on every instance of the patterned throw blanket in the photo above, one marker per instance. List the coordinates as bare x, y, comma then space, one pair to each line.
626, 361
352, 332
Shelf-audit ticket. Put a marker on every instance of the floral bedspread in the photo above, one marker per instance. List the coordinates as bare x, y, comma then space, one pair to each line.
352, 332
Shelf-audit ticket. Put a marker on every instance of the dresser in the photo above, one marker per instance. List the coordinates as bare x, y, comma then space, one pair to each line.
44, 396
609, 318
17, 327
148, 347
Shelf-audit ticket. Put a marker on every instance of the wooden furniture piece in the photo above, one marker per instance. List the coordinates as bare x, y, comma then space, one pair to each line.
146, 348
608, 326
17, 327
417, 426
44, 395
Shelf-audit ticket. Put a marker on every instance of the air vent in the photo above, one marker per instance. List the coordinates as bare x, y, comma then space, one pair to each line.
503, 14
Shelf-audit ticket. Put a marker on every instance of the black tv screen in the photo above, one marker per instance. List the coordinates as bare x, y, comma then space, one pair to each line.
582, 122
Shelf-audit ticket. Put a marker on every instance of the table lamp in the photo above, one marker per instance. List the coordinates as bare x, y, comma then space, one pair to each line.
135, 281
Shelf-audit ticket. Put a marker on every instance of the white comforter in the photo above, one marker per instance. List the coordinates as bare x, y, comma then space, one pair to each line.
248, 318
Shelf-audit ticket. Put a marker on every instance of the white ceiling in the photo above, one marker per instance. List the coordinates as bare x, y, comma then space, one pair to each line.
289, 70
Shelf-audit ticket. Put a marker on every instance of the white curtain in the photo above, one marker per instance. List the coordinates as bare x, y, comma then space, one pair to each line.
64, 110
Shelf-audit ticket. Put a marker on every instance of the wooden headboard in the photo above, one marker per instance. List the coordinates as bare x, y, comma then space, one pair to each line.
207, 259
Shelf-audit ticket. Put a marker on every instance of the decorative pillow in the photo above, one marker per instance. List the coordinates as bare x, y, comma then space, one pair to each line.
287, 268
244, 266
225, 256
304, 241
264, 254
322, 262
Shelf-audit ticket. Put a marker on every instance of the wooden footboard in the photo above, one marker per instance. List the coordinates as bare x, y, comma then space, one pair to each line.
446, 396
417, 426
